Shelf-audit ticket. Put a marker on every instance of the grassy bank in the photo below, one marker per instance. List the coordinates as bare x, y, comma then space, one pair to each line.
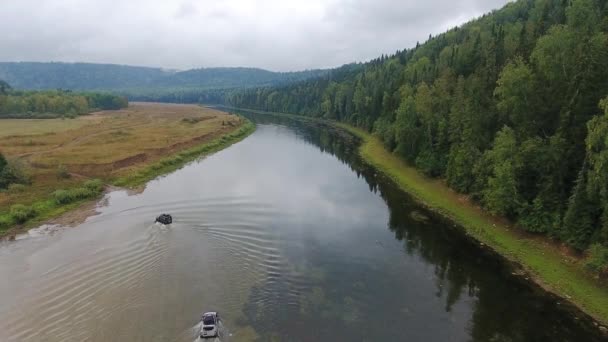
60, 202
550, 268
174, 162
63, 201
126, 148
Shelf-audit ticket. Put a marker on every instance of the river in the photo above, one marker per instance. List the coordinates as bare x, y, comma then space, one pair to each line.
291, 238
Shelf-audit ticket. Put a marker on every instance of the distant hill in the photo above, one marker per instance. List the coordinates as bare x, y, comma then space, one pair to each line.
112, 77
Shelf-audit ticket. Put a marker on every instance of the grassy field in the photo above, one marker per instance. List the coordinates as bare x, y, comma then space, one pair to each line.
31, 127
126, 147
545, 262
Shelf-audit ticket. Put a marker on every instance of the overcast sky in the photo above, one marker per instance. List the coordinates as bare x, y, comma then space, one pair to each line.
273, 34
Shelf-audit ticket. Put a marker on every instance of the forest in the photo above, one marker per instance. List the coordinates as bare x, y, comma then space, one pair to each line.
510, 109
192, 95
207, 85
54, 103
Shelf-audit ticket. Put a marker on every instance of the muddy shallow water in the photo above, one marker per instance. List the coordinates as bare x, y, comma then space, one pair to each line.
291, 238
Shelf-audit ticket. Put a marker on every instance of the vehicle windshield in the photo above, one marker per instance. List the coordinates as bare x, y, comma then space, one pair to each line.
208, 320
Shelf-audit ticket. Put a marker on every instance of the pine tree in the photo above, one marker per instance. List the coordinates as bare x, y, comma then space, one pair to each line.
580, 218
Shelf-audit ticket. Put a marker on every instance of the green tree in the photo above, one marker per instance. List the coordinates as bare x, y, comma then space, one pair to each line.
583, 16
597, 154
409, 133
580, 218
516, 92
462, 159
538, 67
501, 195
586, 219
4, 87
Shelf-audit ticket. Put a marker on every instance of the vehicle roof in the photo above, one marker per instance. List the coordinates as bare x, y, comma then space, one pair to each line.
211, 313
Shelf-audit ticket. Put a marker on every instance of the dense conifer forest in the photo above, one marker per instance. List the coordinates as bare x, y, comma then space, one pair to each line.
510, 109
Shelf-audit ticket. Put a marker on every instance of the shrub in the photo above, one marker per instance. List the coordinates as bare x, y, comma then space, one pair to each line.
62, 172
16, 188
81, 193
62, 197
3, 162
43, 206
13, 171
5, 220
192, 121
95, 185
91, 189
22, 213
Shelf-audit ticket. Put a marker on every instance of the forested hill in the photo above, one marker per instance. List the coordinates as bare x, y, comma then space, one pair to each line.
86, 76
505, 108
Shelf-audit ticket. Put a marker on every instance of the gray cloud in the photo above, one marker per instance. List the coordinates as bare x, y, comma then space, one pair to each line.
272, 34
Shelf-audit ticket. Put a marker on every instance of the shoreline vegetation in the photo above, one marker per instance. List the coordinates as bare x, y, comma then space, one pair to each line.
551, 269
539, 257
509, 109
175, 162
510, 112
81, 190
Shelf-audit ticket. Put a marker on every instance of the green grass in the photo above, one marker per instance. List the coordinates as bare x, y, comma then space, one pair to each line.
46, 209
554, 271
175, 162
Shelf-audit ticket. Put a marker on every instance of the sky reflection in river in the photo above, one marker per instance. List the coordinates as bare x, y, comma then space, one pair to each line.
290, 237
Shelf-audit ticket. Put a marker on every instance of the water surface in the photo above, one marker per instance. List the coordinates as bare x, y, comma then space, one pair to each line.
291, 238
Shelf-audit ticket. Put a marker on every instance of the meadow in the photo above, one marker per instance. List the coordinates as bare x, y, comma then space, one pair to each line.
126, 147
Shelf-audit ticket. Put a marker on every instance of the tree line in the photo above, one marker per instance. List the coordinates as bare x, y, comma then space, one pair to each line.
111, 77
176, 95
54, 103
507, 108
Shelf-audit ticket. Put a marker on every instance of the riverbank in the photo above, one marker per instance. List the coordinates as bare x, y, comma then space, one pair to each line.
172, 163
545, 264
540, 259
139, 145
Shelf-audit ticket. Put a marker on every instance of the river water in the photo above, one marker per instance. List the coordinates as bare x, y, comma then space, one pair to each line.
291, 238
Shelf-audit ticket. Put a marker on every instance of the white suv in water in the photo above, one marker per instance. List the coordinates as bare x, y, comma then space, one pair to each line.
210, 325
